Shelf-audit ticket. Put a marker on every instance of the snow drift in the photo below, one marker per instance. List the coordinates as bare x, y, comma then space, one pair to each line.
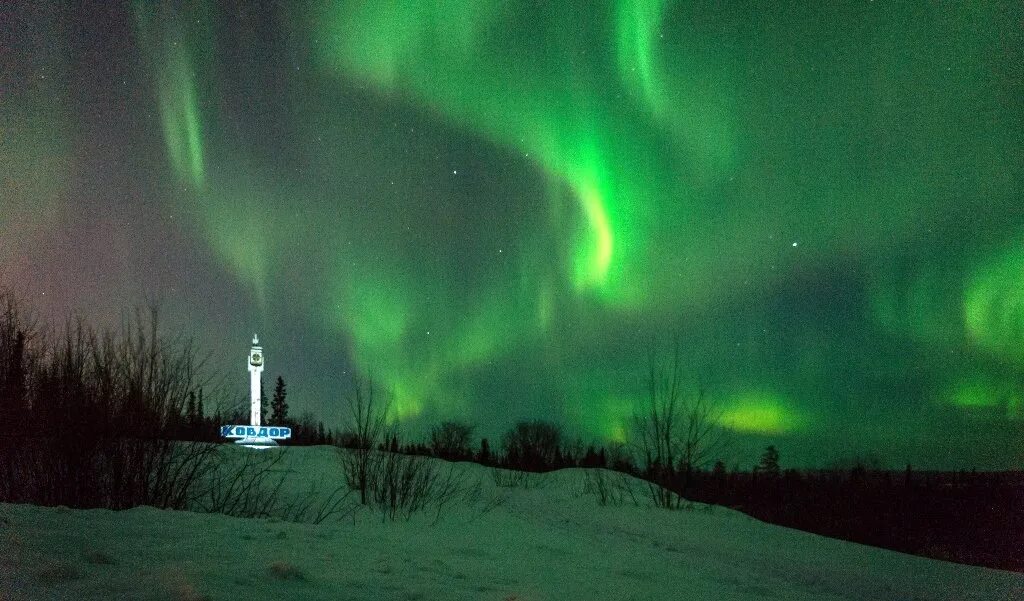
495, 536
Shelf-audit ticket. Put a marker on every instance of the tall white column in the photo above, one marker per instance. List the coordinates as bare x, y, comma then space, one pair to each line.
255, 374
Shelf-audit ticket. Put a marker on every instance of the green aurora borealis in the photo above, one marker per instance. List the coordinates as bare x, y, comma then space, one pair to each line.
495, 207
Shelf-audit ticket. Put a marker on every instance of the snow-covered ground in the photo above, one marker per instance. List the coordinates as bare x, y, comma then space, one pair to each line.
546, 542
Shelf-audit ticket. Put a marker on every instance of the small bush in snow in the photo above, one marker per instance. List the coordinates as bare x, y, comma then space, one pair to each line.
254, 486
283, 570
180, 588
401, 485
610, 488
517, 479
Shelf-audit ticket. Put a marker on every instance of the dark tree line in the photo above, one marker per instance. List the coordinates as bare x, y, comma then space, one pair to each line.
530, 445
112, 418
966, 517
87, 417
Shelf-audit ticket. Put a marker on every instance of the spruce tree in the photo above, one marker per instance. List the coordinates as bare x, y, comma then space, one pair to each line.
279, 405
485, 452
207, 430
190, 412
769, 461
12, 386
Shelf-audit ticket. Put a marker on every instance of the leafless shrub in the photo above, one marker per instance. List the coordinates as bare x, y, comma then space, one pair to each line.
517, 479
610, 488
533, 445
313, 507
175, 471
253, 485
284, 570
398, 485
473, 496
491, 504
402, 485
249, 487
451, 440
179, 586
366, 426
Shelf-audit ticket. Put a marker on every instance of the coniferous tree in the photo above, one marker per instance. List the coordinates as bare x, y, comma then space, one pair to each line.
12, 385
191, 416
279, 405
485, 452
769, 464
719, 475
207, 427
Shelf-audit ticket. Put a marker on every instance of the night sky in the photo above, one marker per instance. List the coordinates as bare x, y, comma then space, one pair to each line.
499, 208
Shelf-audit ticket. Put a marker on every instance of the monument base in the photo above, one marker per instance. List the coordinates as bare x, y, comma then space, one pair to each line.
257, 442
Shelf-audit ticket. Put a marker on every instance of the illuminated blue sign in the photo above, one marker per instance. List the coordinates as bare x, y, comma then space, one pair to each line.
271, 432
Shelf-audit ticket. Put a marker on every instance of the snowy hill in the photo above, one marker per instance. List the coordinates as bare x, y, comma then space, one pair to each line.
545, 539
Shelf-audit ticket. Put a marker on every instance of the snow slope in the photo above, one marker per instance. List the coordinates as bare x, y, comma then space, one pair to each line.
547, 542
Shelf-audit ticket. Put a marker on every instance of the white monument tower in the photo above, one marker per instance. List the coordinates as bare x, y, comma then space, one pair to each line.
256, 435
255, 374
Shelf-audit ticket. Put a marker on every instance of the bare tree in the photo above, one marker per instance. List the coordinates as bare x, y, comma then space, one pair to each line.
704, 437
533, 445
676, 433
395, 484
366, 426
451, 440
102, 411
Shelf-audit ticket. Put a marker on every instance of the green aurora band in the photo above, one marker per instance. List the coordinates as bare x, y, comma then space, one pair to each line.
691, 171
178, 48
